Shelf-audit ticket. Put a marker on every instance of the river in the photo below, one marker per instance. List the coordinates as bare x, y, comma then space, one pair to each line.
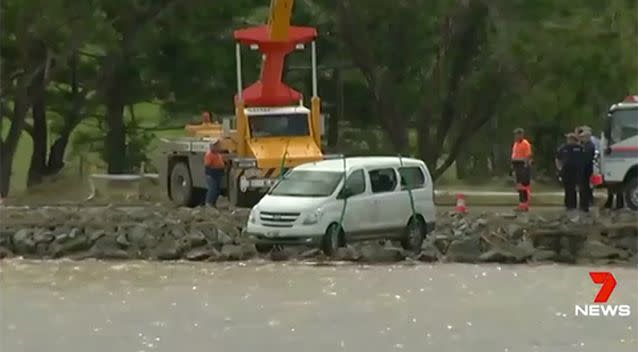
264, 306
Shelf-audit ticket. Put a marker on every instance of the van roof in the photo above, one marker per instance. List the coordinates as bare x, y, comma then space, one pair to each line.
359, 162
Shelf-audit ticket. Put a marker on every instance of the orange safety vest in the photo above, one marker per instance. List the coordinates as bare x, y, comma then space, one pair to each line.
521, 151
213, 160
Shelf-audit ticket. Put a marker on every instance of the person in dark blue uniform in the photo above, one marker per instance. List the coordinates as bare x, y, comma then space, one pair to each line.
570, 161
590, 154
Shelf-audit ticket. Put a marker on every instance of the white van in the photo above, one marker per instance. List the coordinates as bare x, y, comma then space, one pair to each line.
305, 207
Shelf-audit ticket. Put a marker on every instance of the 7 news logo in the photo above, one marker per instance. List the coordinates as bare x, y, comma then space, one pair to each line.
608, 283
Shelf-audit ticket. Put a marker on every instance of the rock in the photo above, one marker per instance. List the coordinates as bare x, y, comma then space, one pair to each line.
597, 250
107, 247
375, 253
43, 236
429, 253
237, 252
543, 255
64, 245
202, 253
441, 242
223, 237
94, 236
628, 242
347, 253
310, 253
196, 238
502, 255
5, 252
465, 250
137, 235
122, 240
167, 249
514, 231
23, 242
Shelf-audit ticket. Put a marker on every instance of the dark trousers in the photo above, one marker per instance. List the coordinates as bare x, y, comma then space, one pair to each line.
573, 180
589, 170
523, 175
213, 184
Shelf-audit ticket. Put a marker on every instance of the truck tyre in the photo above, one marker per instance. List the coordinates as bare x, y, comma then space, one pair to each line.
413, 236
631, 193
236, 197
181, 185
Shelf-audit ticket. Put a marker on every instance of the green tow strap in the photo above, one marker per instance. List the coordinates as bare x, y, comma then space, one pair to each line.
283, 162
409, 190
345, 200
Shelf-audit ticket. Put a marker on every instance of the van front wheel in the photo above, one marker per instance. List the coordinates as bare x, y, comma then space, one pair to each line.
414, 234
331, 240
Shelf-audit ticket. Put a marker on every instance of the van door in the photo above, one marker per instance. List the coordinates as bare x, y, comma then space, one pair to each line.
387, 201
414, 179
358, 217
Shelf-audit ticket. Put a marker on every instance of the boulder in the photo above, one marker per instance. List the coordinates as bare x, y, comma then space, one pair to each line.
196, 238
5, 252
106, 247
373, 252
347, 253
65, 244
465, 250
543, 255
429, 252
202, 253
594, 249
23, 242
168, 248
238, 252
43, 236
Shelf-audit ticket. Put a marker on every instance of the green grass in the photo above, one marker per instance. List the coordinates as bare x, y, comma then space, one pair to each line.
147, 115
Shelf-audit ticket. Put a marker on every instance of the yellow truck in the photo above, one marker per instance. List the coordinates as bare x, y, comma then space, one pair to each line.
271, 131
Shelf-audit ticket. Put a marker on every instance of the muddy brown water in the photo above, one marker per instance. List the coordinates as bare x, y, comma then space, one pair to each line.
263, 306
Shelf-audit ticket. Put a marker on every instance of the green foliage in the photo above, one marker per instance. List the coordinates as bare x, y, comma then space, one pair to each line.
438, 78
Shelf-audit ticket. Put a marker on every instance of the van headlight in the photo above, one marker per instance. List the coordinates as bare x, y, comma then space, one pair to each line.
313, 217
254, 215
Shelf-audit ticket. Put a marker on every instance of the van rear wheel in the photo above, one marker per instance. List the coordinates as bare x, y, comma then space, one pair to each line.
414, 235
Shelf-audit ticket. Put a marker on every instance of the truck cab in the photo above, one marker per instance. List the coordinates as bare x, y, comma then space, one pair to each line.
619, 149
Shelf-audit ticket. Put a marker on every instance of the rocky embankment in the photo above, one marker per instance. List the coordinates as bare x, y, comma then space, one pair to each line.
162, 233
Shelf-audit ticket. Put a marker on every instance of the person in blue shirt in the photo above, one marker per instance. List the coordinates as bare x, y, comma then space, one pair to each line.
590, 155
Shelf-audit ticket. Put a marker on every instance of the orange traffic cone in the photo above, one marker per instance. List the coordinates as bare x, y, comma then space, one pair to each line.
460, 204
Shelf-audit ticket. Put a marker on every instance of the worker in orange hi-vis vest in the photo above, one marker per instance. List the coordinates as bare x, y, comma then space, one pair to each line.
521, 165
214, 169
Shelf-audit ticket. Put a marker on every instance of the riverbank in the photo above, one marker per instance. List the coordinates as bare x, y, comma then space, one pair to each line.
165, 233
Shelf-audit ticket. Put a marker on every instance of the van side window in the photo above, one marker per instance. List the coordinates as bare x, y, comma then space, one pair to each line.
383, 180
356, 182
411, 177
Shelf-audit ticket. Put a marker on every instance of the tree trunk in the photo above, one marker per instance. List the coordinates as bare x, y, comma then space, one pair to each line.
9, 146
37, 168
115, 146
71, 120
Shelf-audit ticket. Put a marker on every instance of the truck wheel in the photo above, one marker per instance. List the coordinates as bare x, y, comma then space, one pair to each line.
236, 197
181, 185
631, 193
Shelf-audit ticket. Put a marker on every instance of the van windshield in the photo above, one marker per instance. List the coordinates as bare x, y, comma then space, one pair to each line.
306, 183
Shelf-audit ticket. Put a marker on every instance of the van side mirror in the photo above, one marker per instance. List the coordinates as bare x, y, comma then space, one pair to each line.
346, 192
